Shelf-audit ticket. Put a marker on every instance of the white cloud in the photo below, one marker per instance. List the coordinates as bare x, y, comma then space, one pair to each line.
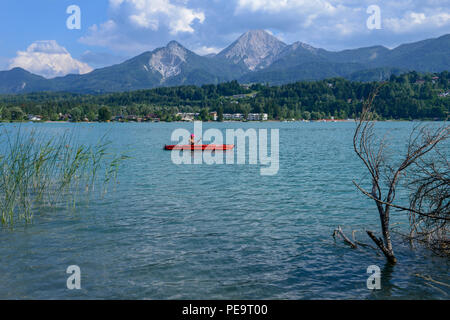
413, 20
48, 59
204, 50
134, 25
150, 14
103, 35
275, 6
309, 16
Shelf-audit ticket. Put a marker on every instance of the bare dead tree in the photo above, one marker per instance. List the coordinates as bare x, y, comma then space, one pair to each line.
384, 176
429, 212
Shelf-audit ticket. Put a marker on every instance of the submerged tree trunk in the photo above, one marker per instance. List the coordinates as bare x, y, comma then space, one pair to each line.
386, 245
389, 253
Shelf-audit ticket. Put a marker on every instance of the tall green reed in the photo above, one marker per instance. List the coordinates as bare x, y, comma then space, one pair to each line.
37, 172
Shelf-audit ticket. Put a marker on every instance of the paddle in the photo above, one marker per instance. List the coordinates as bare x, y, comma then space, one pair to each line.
197, 141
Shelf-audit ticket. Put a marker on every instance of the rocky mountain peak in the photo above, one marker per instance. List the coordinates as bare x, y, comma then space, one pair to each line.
256, 49
174, 45
168, 60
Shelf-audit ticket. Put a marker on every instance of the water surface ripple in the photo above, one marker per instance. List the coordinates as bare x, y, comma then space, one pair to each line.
217, 232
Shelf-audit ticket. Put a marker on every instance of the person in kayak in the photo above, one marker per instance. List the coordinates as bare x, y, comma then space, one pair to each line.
192, 141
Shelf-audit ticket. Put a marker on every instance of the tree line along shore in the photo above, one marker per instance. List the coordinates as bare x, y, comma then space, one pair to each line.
411, 96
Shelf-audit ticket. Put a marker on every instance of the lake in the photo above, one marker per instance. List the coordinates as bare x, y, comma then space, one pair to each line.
218, 231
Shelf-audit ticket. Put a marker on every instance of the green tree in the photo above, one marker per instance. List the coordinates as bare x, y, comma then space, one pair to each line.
16, 113
204, 115
104, 114
5, 114
316, 115
77, 114
91, 116
306, 115
220, 114
54, 116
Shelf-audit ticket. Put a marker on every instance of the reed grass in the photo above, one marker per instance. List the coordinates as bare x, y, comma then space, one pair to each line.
37, 172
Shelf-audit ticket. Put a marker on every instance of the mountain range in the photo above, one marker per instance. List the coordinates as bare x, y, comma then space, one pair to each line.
256, 57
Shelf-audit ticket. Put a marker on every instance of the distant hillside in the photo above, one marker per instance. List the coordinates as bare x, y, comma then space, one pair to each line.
19, 80
256, 57
300, 61
408, 96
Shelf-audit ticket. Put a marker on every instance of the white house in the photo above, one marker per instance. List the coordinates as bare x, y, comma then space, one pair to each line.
257, 117
34, 118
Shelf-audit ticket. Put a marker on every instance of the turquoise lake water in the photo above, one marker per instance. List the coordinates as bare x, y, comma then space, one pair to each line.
218, 231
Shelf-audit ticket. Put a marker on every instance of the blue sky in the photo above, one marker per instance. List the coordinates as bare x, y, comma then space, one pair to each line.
33, 34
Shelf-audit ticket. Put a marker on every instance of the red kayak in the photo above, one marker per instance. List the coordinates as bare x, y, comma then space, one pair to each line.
202, 147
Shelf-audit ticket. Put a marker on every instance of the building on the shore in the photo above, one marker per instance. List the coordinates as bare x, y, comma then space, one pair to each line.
151, 117
233, 116
64, 117
187, 116
250, 116
226, 116
132, 118
257, 117
32, 117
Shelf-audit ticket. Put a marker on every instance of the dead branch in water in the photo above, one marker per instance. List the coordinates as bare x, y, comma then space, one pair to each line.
385, 177
339, 231
428, 278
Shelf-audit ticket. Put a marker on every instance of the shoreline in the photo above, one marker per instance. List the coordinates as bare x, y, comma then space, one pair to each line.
228, 121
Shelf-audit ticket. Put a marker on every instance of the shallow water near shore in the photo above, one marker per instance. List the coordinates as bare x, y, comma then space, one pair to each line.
218, 231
